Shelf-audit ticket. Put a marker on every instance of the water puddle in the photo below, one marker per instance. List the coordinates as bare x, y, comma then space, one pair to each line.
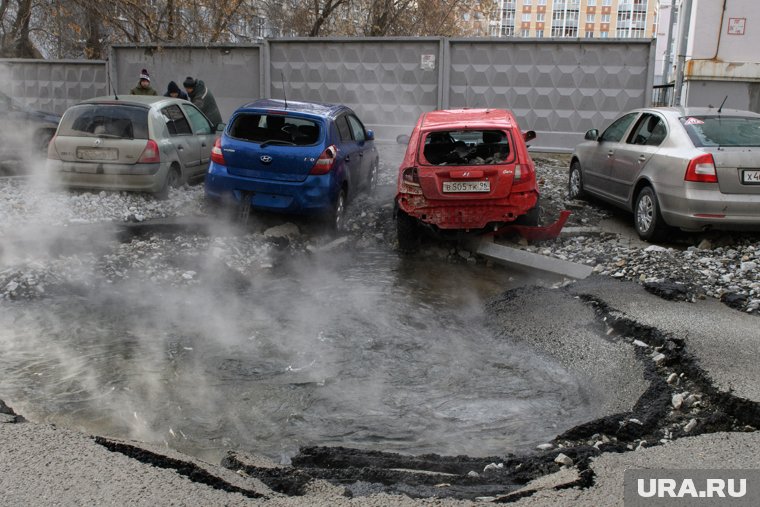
361, 349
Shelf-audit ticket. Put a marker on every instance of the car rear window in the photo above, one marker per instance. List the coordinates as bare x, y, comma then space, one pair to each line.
466, 147
280, 128
111, 120
722, 130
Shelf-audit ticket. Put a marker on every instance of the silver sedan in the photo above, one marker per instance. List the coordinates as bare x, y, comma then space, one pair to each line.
131, 142
691, 168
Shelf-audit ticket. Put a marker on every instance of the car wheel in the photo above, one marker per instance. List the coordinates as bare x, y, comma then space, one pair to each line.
532, 218
372, 181
575, 186
407, 232
172, 180
338, 216
43, 140
647, 218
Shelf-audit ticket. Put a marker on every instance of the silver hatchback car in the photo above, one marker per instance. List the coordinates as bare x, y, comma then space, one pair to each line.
691, 168
131, 142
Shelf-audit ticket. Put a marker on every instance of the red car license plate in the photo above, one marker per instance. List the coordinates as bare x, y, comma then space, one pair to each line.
466, 186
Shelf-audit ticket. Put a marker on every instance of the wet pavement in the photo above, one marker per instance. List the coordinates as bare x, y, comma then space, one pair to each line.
369, 372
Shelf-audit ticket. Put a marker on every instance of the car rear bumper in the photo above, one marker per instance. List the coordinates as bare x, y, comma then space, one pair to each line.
461, 215
315, 194
700, 208
137, 177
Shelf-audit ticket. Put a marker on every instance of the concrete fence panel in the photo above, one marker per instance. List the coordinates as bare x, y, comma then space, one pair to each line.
232, 73
559, 88
52, 85
387, 81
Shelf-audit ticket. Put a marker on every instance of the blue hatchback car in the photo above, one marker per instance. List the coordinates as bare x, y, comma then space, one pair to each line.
293, 157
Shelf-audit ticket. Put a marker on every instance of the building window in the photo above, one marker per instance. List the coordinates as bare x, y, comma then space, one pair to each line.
527, 2
589, 35
605, 18
526, 17
606, 3
540, 34
540, 17
591, 3
525, 33
603, 35
541, 2
589, 18
507, 31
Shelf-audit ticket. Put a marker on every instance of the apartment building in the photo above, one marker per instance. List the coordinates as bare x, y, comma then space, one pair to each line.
574, 18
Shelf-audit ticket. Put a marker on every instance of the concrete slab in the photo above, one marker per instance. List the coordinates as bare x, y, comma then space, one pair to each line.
508, 255
566, 329
712, 451
725, 341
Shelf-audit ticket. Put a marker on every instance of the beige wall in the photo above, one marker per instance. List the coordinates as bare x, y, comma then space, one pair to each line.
527, 14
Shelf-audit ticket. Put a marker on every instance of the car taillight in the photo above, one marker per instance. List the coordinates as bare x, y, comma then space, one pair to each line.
522, 173
52, 153
325, 161
702, 169
151, 154
217, 156
411, 176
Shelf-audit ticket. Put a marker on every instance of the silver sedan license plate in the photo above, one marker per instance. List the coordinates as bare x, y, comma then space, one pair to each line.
97, 154
751, 177
467, 186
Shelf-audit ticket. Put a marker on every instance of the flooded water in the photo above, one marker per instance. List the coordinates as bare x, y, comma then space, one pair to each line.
364, 349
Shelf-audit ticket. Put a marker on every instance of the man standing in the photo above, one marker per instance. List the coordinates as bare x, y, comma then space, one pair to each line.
202, 98
143, 87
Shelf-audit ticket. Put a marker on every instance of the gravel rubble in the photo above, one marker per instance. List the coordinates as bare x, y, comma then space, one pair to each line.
716, 265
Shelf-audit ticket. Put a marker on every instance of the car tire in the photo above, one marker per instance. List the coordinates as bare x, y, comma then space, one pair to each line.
532, 218
372, 179
172, 180
337, 217
407, 232
647, 219
43, 139
575, 183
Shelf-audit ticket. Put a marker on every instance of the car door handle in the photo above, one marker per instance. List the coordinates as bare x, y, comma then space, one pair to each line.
203, 144
642, 158
361, 154
180, 147
348, 158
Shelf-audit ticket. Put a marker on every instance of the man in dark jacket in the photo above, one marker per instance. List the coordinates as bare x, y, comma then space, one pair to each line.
174, 91
143, 86
201, 96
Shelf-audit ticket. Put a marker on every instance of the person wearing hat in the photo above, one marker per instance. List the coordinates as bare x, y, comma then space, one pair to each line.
143, 86
203, 99
174, 91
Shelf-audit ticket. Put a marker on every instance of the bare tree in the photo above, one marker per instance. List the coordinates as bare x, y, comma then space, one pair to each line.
15, 19
86, 28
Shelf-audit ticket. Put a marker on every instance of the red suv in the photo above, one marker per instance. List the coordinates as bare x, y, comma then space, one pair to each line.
465, 170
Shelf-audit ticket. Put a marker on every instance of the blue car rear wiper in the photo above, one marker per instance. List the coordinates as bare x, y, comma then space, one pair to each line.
276, 141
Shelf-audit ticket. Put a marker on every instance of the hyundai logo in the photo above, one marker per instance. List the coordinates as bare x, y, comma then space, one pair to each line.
97, 142
266, 159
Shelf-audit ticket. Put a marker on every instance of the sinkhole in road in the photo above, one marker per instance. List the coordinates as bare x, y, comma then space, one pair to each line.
358, 348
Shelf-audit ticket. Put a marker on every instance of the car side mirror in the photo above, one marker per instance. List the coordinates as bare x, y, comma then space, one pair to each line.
402, 139
529, 135
220, 127
592, 135
370, 135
